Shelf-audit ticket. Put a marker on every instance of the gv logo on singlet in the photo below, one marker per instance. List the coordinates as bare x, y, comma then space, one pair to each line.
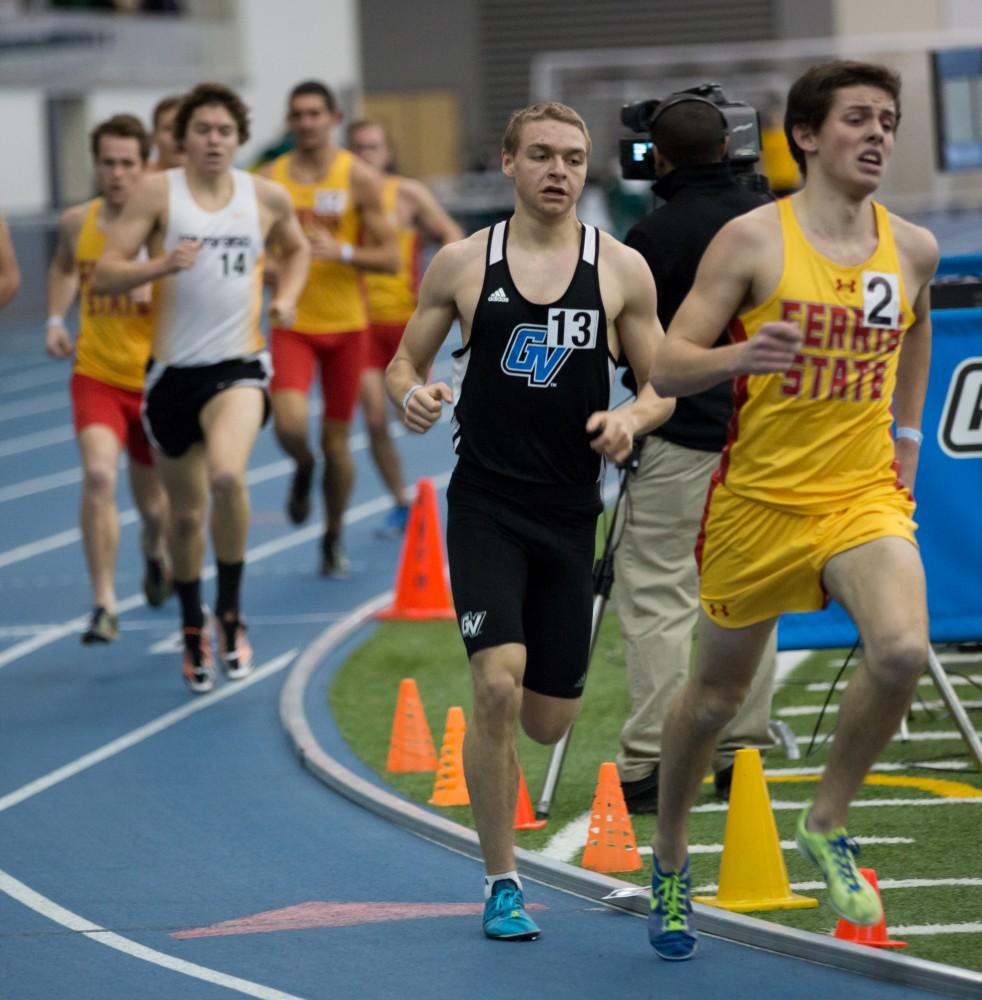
537, 353
471, 623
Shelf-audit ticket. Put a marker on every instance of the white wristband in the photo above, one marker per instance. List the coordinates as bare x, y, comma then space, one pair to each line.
911, 433
347, 253
54, 320
409, 395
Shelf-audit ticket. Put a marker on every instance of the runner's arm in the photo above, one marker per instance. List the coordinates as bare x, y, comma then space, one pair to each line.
638, 332
63, 280
430, 215
379, 250
117, 270
686, 362
292, 249
405, 377
914, 364
9, 271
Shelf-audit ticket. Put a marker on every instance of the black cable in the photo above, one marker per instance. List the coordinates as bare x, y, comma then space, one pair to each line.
821, 715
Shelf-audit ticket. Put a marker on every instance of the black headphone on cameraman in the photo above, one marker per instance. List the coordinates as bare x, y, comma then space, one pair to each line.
685, 97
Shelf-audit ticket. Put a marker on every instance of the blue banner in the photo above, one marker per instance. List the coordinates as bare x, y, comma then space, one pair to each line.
948, 494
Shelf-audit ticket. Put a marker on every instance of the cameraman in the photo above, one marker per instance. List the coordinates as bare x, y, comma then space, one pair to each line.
657, 593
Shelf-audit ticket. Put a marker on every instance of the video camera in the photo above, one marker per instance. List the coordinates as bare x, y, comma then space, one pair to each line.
742, 127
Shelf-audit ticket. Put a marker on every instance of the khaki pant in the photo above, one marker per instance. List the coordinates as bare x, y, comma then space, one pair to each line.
657, 589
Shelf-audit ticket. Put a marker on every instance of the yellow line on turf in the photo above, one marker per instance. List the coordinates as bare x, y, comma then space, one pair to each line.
936, 786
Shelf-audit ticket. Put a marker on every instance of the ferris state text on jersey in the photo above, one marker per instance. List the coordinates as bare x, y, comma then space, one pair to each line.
846, 351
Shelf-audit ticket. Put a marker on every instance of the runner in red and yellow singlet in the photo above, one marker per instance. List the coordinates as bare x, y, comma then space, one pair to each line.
111, 355
414, 214
338, 199
814, 496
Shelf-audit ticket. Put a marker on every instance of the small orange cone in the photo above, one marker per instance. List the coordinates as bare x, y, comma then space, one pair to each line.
875, 936
610, 842
411, 743
752, 874
421, 591
450, 787
524, 813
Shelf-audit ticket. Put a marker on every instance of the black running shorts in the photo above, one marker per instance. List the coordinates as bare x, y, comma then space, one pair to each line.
174, 397
523, 574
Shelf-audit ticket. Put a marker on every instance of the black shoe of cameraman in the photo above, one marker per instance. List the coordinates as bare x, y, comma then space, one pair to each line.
722, 782
641, 797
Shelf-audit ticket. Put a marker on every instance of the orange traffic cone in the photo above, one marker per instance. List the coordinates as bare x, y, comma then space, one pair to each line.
524, 813
411, 743
752, 874
421, 591
875, 936
450, 787
610, 843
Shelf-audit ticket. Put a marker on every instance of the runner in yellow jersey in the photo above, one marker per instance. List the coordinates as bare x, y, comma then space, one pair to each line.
414, 213
107, 382
829, 299
338, 199
168, 149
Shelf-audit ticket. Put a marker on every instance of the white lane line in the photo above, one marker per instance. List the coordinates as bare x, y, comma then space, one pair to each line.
884, 883
797, 710
47, 375
39, 439
129, 515
66, 918
914, 929
142, 733
40, 484
154, 624
32, 407
784, 804
263, 551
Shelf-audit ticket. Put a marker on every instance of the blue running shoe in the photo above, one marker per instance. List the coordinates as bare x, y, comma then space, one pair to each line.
504, 914
395, 523
671, 928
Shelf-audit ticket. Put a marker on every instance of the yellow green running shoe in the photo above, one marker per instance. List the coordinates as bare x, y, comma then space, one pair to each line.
850, 895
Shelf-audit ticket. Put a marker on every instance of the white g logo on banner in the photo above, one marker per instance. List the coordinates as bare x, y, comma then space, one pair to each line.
960, 429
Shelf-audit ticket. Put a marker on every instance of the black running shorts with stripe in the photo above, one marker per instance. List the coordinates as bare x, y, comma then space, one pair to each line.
173, 397
522, 573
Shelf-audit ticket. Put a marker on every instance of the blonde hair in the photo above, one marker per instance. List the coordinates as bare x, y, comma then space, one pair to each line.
544, 110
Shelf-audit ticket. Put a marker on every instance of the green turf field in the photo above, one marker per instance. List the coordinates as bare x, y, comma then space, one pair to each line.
938, 839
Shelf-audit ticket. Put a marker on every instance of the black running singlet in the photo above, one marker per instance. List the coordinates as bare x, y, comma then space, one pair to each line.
531, 375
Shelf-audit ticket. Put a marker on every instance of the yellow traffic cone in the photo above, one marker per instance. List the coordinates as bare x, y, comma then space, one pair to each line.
752, 875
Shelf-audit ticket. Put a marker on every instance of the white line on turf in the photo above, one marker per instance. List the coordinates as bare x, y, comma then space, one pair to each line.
916, 929
931, 736
822, 687
884, 883
791, 845
797, 710
72, 921
783, 804
143, 732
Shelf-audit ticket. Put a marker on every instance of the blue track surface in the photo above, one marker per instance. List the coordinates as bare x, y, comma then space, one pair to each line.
210, 818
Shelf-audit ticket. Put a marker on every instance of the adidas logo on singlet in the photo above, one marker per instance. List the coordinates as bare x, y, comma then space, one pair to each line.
498, 296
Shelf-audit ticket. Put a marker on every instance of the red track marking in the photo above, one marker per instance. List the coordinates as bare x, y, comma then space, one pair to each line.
322, 914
